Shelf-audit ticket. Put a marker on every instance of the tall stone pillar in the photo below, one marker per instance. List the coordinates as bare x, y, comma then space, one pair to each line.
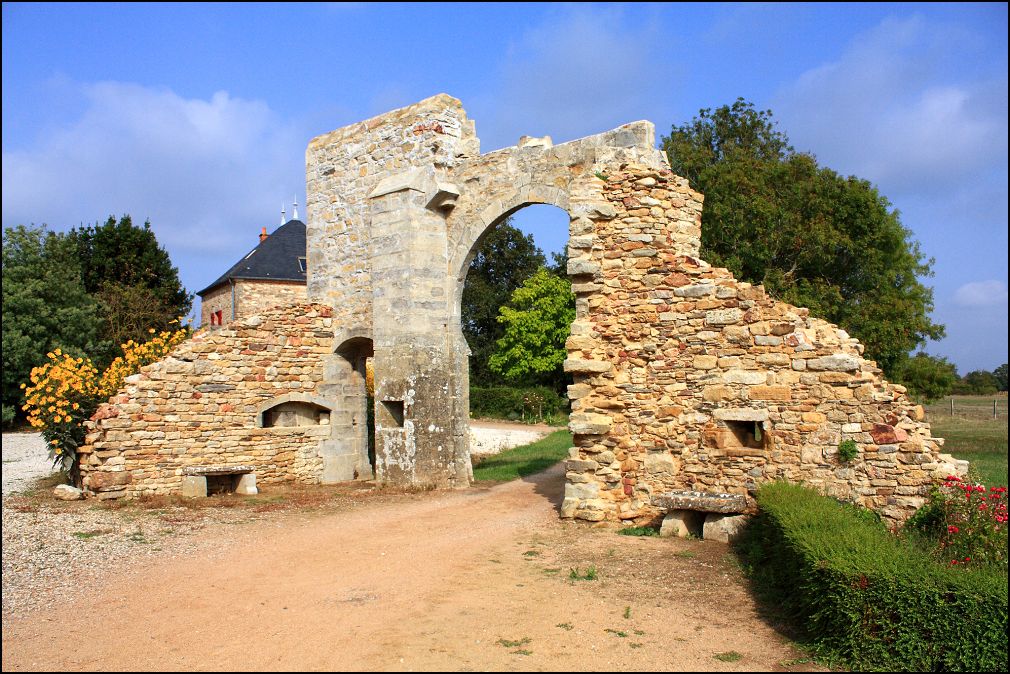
415, 389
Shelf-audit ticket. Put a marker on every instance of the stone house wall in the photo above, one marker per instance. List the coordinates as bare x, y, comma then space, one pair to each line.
203, 406
252, 296
687, 379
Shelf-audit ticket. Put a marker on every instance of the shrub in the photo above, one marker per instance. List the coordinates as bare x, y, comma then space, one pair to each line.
528, 404
860, 594
968, 523
847, 451
66, 391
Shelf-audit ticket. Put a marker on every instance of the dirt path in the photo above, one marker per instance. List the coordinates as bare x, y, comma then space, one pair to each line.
470, 580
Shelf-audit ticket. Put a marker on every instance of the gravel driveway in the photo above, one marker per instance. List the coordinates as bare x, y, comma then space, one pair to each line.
25, 458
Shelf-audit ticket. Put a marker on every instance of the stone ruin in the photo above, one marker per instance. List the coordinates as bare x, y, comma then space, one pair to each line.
686, 380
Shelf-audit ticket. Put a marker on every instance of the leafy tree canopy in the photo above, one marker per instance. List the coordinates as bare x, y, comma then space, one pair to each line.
537, 322
1001, 376
810, 236
504, 259
927, 378
133, 279
45, 306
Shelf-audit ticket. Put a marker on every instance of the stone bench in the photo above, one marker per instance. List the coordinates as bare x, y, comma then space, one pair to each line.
194, 479
702, 514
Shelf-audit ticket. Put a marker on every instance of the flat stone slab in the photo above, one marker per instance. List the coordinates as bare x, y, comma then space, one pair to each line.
217, 470
700, 501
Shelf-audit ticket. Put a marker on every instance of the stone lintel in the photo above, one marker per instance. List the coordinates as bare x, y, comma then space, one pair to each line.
700, 501
217, 470
740, 414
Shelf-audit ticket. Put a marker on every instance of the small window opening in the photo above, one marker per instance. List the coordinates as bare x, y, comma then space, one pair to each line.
395, 410
302, 264
216, 318
748, 434
222, 484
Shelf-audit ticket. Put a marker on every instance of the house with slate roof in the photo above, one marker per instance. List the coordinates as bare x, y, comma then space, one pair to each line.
271, 274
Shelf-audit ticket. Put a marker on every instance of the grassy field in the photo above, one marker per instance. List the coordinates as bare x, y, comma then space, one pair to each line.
526, 460
973, 434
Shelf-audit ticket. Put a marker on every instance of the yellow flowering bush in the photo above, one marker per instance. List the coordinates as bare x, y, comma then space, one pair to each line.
65, 391
136, 356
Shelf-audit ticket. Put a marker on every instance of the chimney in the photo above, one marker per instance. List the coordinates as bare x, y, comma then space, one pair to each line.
263, 235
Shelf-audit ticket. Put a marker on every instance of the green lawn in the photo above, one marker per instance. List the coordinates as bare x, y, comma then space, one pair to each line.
982, 442
526, 460
972, 433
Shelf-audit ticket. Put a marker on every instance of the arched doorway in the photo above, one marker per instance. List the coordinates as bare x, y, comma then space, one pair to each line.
349, 454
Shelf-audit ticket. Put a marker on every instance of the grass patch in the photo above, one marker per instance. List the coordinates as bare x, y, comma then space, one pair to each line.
617, 633
728, 656
981, 441
507, 643
87, 535
639, 531
685, 554
565, 626
518, 462
575, 574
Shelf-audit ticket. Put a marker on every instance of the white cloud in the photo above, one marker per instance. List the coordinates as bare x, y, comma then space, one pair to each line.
890, 109
583, 72
208, 173
981, 294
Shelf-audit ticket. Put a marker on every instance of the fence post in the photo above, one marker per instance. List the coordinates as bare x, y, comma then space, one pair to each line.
994, 408
952, 406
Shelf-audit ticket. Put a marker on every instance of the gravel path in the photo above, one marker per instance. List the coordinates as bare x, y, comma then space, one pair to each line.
25, 459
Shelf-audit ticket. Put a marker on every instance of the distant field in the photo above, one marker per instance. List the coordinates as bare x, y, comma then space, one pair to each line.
973, 434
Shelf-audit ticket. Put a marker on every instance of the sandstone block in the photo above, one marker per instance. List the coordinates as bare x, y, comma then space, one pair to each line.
839, 362
589, 423
770, 393
723, 316
750, 377
66, 492
705, 362
723, 528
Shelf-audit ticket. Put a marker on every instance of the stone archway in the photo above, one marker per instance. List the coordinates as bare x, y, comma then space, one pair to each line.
396, 208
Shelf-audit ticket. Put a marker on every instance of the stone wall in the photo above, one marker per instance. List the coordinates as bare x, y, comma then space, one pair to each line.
687, 379
203, 406
256, 296
252, 296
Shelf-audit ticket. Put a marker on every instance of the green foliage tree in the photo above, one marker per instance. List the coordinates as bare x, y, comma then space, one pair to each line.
1001, 376
979, 383
926, 377
45, 306
810, 236
133, 279
537, 321
503, 261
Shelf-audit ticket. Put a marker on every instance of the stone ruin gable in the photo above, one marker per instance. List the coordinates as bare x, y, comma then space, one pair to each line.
674, 354
203, 405
344, 167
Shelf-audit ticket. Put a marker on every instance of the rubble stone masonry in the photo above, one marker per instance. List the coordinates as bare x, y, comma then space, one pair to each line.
687, 379
203, 406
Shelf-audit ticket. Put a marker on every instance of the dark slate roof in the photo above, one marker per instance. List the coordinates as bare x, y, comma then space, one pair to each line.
274, 259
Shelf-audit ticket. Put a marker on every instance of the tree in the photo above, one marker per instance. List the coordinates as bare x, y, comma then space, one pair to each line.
1001, 376
980, 383
504, 260
810, 236
537, 320
926, 377
134, 280
45, 306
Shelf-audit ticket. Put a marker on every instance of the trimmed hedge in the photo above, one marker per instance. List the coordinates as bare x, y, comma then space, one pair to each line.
867, 597
504, 402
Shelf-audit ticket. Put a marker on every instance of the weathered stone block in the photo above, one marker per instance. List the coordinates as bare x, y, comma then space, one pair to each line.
724, 528
194, 486
589, 423
841, 362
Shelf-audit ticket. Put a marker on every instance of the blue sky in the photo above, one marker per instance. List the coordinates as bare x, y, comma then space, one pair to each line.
197, 116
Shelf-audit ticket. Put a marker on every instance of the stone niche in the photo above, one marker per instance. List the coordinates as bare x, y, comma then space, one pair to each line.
292, 414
